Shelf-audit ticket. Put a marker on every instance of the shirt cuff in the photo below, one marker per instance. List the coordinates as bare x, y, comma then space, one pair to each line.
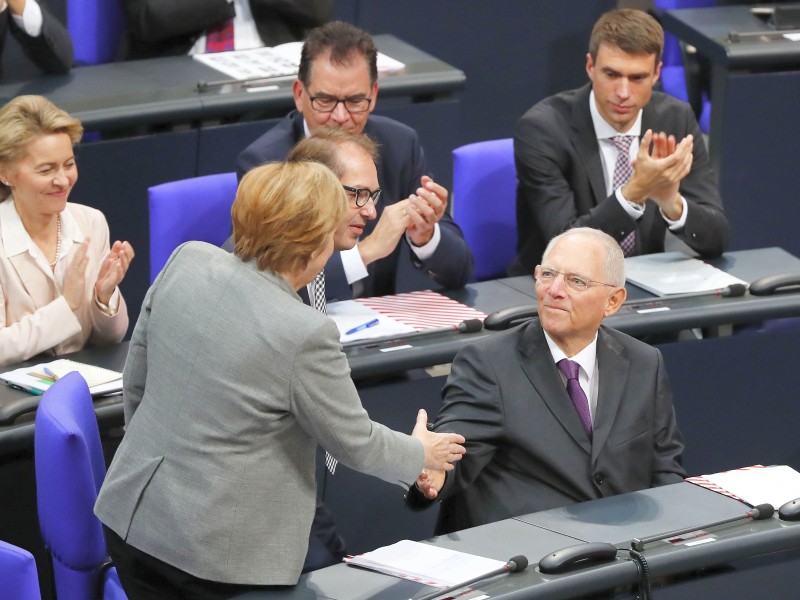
112, 307
353, 265
425, 252
633, 210
679, 224
31, 19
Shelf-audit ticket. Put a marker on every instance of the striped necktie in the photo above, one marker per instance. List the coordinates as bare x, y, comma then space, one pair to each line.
623, 171
318, 301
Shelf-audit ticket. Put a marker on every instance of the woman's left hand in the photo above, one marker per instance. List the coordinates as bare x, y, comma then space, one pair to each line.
113, 270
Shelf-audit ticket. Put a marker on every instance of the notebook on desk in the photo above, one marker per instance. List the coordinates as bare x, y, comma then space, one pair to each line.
667, 273
38, 378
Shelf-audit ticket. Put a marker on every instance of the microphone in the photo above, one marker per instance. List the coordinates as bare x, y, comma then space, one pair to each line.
758, 513
515, 564
468, 326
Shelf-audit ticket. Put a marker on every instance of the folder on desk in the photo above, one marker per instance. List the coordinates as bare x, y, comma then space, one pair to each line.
398, 314
36, 379
424, 563
668, 273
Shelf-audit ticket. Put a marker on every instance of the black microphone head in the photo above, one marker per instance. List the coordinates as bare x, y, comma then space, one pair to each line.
762, 511
517, 563
734, 290
470, 326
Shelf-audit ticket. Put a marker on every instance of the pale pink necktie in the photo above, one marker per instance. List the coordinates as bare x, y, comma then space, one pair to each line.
623, 171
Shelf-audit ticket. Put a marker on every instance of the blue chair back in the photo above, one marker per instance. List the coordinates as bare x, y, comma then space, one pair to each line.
673, 71
484, 204
96, 28
70, 469
198, 208
18, 576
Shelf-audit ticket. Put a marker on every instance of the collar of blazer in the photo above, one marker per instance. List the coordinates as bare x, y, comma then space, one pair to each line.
543, 374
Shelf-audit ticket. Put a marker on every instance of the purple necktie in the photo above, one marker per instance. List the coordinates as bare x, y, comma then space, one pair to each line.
570, 370
623, 171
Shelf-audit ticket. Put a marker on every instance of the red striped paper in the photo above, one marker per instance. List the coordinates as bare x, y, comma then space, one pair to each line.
422, 310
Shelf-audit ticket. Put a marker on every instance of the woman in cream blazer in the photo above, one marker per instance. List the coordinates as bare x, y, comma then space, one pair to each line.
58, 276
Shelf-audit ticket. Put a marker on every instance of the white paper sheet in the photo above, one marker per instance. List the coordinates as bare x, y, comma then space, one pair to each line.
774, 485
350, 314
431, 565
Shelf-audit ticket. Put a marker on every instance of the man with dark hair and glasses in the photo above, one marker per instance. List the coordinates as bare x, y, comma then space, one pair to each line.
560, 409
337, 85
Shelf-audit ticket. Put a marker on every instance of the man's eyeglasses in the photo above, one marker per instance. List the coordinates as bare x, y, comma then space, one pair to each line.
328, 104
362, 195
579, 283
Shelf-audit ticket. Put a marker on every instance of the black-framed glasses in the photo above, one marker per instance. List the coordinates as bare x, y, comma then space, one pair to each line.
362, 195
579, 283
328, 104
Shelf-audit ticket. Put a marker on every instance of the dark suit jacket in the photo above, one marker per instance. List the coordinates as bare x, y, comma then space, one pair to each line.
526, 448
51, 51
561, 183
402, 163
169, 27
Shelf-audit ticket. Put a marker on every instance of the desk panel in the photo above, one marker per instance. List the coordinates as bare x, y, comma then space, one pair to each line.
654, 511
164, 90
758, 187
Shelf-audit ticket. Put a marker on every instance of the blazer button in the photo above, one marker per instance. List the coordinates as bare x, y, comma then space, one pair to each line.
599, 478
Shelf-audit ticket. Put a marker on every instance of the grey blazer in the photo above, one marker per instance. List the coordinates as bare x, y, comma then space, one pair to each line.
526, 448
561, 183
225, 403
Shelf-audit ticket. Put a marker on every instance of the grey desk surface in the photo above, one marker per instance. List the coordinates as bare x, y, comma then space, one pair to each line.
634, 318
709, 29
617, 519
163, 90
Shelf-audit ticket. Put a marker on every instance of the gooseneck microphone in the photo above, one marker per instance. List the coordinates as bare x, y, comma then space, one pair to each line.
762, 511
515, 564
468, 326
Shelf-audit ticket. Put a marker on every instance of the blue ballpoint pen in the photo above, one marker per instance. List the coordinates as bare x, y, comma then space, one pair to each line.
362, 326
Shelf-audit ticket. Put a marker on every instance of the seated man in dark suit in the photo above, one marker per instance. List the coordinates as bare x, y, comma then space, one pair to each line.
573, 153
169, 27
43, 39
560, 409
338, 85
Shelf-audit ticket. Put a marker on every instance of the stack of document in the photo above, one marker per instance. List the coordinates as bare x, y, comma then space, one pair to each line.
39, 378
423, 563
668, 273
277, 61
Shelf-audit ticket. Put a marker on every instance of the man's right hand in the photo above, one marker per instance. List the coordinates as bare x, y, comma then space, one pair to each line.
441, 449
430, 483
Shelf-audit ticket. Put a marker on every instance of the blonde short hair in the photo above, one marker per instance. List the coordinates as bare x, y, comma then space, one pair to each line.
24, 119
283, 212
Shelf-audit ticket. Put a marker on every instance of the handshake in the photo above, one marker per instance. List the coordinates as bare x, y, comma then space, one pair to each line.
441, 451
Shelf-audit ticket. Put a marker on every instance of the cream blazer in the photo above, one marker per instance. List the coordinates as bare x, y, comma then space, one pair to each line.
34, 316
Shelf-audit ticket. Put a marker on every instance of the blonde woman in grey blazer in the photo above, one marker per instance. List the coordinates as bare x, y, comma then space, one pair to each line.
213, 487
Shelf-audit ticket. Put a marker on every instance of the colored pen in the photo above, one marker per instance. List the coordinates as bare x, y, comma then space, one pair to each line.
51, 374
366, 325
